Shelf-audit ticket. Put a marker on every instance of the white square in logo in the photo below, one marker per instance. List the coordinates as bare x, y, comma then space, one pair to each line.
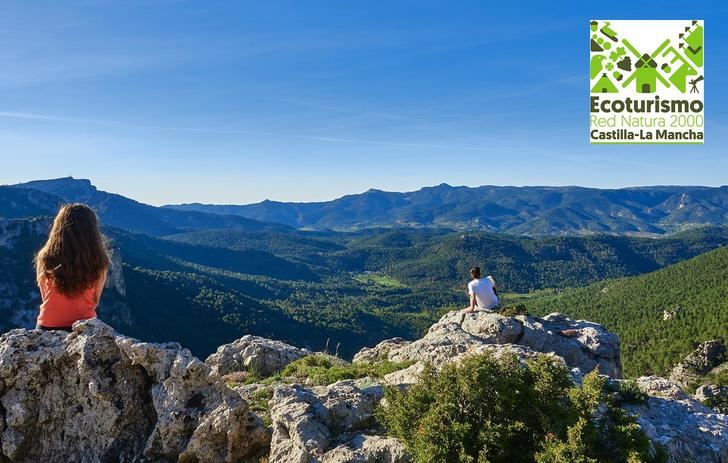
646, 81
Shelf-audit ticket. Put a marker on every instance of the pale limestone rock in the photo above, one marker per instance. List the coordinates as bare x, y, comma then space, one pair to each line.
380, 351
405, 377
702, 360
581, 344
254, 353
713, 396
368, 449
330, 424
92, 395
409, 375
113, 398
688, 430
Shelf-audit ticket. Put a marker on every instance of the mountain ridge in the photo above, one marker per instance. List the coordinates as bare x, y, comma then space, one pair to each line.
118, 210
527, 210
518, 210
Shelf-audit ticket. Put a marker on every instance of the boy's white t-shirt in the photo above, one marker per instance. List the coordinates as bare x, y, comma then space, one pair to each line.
484, 294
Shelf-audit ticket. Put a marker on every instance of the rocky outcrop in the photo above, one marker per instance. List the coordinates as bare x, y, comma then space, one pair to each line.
115, 276
92, 395
409, 375
364, 448
713, 396
581, 344
698, 363
699, 369
254, 354
380, 351
688, 430
330, 424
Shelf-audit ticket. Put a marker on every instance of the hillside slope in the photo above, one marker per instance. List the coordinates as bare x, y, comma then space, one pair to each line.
660, 316
521, 264
16, 203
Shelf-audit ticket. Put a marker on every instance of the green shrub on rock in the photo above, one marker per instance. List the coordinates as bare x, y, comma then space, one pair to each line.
603, 432
495, 410
513, 310
322, 369
629, 392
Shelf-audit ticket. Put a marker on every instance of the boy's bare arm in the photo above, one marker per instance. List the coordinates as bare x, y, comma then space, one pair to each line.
472, 305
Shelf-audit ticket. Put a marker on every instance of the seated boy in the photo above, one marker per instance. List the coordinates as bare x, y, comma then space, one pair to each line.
482, 292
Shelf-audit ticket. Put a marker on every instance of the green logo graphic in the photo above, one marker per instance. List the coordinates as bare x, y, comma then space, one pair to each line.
646, 81
617, 64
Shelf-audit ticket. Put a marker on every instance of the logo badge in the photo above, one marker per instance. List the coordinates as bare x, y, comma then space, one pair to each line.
646, 81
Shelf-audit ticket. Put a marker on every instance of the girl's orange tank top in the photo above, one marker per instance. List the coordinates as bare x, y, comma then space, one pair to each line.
60, 311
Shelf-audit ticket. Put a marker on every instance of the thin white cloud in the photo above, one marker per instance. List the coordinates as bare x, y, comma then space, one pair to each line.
47, 117
29, 66
323, 139
29, 116
396, 144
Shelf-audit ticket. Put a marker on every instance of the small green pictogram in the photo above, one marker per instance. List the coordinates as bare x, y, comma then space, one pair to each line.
604, 85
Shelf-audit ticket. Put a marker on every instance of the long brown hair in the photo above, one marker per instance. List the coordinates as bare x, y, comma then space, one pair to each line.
74, 256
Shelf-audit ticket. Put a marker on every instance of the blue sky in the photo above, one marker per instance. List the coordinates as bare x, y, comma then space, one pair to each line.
235, 102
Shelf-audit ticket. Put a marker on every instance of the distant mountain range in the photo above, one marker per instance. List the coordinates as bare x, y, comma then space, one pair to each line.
42, 197
536, 210
518, 210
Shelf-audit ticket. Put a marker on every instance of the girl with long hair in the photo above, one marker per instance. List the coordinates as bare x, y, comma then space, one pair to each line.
71, 269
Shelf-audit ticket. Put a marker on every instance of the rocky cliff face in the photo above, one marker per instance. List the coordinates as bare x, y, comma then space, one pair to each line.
701, 369
93, 395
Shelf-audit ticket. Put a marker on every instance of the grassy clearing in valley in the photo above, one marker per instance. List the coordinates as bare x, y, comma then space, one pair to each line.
379, 280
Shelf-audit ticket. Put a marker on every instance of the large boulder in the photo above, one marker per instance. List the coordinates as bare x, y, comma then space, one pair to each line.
332, 424
698, 363
254, 354
380, 351
581, 344
688, 430
92, 395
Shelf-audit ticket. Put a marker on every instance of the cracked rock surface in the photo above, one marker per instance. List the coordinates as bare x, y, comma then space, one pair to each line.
581, 344
92, 395
330, 424
254, 353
